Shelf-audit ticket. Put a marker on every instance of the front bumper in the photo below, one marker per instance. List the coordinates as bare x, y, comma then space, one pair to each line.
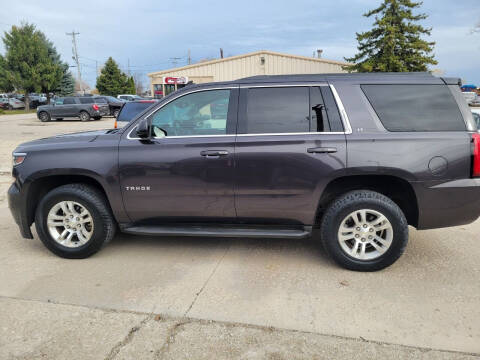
17, 208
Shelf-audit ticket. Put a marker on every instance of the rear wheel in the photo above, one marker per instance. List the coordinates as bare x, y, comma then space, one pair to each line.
44, 116
74, 221
84, 116
364, 231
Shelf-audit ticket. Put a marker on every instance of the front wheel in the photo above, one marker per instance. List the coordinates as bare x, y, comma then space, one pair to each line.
364, 231
74, 221
44, 116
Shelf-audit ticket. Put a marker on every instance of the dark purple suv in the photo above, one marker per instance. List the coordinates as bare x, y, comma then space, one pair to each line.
351, 158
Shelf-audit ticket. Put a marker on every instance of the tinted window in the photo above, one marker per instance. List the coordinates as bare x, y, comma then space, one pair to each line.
199, 113
333, 114
112, 99
132, 109
277, 110
476, 117
68, 101
86, 100
415, 107
100, 100
59, 101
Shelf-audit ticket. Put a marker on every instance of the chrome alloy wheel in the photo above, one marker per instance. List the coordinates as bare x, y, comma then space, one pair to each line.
365, 234
70, 224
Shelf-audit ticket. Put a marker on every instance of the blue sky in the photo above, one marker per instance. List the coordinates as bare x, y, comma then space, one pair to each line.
148, 34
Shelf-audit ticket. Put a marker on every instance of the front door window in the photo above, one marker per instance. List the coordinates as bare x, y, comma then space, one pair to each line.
199, 113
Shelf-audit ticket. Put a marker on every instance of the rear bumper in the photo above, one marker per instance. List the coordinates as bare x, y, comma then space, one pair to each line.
452, 203
17, 208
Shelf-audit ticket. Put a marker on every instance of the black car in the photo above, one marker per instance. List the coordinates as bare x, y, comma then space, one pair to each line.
349, 159
114, 104
85, 108
130, 110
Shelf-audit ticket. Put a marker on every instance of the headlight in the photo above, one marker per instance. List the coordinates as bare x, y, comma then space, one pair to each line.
18, 158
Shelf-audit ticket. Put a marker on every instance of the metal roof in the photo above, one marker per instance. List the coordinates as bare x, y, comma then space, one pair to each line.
237, 57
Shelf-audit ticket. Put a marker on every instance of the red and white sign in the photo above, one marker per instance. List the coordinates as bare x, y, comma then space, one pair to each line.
170, 80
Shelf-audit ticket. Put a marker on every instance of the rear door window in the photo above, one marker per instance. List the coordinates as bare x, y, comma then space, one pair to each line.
68, 101
415, 107
276, 110
86, 100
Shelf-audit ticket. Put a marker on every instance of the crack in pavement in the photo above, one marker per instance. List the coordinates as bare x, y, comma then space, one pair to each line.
206, 282
127, 339
171, 336
184, 321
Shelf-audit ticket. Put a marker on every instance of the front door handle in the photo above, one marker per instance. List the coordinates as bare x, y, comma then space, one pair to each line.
322, 150
214, 153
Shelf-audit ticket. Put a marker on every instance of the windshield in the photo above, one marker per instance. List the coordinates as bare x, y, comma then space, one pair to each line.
132, 109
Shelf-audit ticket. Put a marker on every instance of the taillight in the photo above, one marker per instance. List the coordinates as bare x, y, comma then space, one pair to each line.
95, 107
476, 155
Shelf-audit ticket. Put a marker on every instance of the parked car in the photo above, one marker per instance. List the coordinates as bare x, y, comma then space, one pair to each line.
470, 96
130, 110
84, 108
129, 97
476, 116
114, 104
358, 157
14, 103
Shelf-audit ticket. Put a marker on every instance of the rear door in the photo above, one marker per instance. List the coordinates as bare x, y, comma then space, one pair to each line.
290, 144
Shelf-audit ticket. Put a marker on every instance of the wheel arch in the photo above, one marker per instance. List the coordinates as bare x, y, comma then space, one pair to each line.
396, 188
40, 186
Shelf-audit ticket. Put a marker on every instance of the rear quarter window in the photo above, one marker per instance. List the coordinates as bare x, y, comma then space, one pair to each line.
132, 109
415, 107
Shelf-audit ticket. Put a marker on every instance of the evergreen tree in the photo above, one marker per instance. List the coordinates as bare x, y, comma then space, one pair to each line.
67, 85
51, 82
130, 88
5, 85
394, 43
28, 66
112, 81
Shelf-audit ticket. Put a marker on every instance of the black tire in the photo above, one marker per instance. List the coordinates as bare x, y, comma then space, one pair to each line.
115, 113
90, 198
59, 119
352, 201
97, 118
84, 116
44, 116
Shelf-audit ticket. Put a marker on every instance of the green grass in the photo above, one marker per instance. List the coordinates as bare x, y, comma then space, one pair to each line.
15, 112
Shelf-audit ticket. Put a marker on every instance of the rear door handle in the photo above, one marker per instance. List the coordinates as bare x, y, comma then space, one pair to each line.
214, 153
322, 150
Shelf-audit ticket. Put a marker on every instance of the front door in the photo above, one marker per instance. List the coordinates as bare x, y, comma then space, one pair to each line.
185, 173
290, 144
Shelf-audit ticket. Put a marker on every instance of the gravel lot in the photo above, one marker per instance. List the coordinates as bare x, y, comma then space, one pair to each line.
181, 298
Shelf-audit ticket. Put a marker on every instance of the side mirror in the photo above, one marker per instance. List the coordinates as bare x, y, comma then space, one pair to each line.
143, 130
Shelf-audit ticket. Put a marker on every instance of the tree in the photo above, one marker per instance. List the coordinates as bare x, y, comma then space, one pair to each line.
67, 84
394, 43
112, 81
130, 87
52, 80
28, 66
5, 85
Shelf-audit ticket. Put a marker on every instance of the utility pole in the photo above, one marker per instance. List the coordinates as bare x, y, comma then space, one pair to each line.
128, 66
189, 58
221, 53
75, 57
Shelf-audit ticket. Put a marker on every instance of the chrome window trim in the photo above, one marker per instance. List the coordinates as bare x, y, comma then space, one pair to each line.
338, 100
343, 114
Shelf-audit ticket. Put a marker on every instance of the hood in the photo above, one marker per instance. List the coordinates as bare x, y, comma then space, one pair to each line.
59, 141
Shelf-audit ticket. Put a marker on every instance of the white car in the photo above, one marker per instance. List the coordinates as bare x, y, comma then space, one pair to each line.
476, 115
129, 97
14, 103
